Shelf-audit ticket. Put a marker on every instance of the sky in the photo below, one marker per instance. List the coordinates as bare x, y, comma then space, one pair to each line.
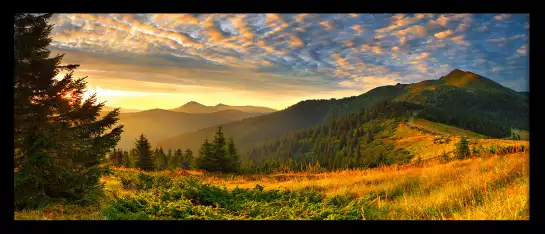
145, 61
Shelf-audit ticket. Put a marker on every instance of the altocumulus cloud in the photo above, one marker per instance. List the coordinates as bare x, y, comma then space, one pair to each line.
290, 54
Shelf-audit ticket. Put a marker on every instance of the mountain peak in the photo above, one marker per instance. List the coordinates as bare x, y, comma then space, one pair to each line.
221, 105
466, 79
193, 103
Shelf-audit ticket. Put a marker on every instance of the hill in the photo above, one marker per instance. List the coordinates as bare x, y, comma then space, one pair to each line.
195, 107
158, 124
121, 110
462, 99
253, 131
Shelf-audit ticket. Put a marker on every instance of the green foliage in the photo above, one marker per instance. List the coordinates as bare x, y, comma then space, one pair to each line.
143, 150
59, 143
160, 159
355, 141
189, 199
220, 156
188, 161
462, 149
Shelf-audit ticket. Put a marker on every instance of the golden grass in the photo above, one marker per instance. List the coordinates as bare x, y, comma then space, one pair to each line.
495, 188
421, 144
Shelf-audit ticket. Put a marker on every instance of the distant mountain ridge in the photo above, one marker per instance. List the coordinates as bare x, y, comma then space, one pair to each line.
121, 110
195, 107
159, 124
460, 98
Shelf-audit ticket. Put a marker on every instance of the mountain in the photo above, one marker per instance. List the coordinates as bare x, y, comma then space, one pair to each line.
195, 107
159, 124
121, 110
463, 99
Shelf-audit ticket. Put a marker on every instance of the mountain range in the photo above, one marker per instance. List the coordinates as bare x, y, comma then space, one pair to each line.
195, 107
159, 124
460, 98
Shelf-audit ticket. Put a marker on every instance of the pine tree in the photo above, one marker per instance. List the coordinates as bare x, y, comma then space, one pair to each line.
219, 158
233, 156
174, 162
168, 158
462, 149
145, 154
188, 160
160, 159
134, 158
126, 159
204, 161
59, 143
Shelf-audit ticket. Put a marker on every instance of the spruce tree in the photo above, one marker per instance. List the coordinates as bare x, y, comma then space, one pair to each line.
187, 160
145, 154
219, 159
159, 159
204, 161
59, 143
134, 158
175, 160
233, 156
462, 149
126, 159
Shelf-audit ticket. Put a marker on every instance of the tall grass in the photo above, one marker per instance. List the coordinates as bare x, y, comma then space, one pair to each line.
492, 188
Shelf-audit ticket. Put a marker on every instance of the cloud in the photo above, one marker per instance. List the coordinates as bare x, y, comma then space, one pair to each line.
502, 17
423, 55
464, 24
327, 25
399, 21
496, 69
523, 50
444, 34
460, 40
245, 51
357, 28
443, 20
367, 48
366, 83
482, 28
300, 18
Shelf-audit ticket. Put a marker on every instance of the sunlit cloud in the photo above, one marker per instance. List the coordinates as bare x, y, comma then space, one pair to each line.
296, 55
502, 17
444, 34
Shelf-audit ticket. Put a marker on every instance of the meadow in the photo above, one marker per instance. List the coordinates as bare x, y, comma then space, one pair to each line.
495, 187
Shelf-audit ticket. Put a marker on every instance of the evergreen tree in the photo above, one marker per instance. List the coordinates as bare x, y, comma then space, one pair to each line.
134, 158
145, 154
188, 160
169, 158
126, 159
462, 149
160, 159
174, 161
219, 158
59, 143
233, 156
205, 161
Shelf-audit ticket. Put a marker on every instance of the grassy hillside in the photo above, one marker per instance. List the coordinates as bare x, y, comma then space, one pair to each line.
158, 124
495, 188
256, 130
426, 139
462, 99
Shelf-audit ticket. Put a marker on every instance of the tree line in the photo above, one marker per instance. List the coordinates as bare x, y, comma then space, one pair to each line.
354, 141
220, 155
